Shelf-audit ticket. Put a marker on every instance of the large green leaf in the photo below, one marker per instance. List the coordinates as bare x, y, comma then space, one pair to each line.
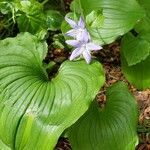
3, 146
139, 74
35, 110
146, 5
113, 127
135, 49
119, 17
136, 52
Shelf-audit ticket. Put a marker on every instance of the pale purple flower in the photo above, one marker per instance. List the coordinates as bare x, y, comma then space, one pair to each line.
79, 31
82, 43
83, 48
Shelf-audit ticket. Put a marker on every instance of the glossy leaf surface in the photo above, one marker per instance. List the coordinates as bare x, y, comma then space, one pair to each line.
112, 127
34, 110
139, 74
135, 51
118, 17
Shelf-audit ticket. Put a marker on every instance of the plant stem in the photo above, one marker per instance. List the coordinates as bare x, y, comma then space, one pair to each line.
44, 2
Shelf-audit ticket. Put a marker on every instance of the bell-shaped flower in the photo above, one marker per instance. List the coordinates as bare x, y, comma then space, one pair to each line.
83, 48
78, 30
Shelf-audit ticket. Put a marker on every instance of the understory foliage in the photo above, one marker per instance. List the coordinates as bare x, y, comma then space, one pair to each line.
37, 107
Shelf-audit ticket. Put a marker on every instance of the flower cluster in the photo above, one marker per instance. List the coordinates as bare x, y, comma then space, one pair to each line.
82, 41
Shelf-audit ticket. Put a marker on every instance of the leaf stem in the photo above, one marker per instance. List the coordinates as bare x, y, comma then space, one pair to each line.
44, 2
82, 11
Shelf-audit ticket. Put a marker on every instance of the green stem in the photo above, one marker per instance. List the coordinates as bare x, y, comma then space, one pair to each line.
50, 65
44, 2
62, 5
81, 10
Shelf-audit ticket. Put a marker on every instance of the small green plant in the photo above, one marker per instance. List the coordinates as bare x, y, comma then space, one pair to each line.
31, 16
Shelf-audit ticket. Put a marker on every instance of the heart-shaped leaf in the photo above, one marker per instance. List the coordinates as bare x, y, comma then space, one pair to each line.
34, 110
139, 74
112, 127
135, 49
118, 17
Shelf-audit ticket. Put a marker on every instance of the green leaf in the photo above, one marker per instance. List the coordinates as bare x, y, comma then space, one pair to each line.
146, 5
5, 7
3, 146
95, 19
119, 17
113, 127
35, 110
135, 49
55, 5
143, 25
34, 19
136, 52
139, 74
31, 17
53, 19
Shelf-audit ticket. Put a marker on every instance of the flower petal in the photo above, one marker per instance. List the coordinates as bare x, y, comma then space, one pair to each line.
77, 52
83, 35
87, 56
81, 23
72, 23
73, 43
92, 46
72, 33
